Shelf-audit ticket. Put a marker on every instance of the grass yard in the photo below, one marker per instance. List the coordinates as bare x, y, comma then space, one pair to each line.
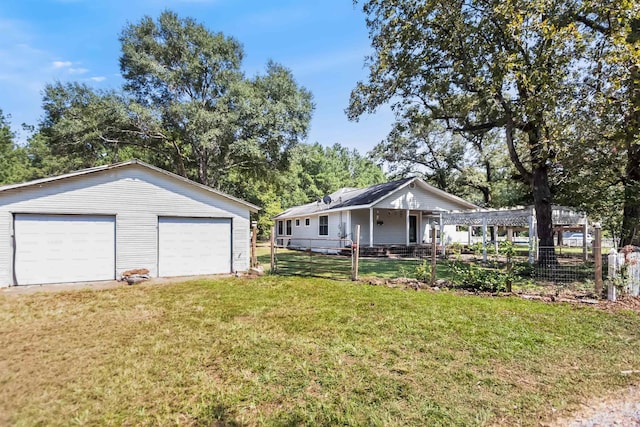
339, 267
296, 351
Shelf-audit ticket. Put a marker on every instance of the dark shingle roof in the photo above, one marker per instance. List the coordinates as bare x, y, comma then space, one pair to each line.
371, 194
347, 197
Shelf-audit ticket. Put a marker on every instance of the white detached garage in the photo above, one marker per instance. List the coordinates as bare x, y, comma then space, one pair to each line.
97, 223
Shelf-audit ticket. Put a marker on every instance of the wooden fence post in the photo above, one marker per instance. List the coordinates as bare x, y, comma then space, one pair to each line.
597, 254
355, 254
433, 254
273, 249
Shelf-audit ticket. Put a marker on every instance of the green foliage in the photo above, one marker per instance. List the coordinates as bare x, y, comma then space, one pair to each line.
14, 162
186, 107
472, 277
472, 166
477, 67
423, 271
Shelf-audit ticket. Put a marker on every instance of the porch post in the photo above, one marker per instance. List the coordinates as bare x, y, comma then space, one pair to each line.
370, 227
406, 220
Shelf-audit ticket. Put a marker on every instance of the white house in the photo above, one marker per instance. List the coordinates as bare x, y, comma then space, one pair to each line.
94, 224
394, 213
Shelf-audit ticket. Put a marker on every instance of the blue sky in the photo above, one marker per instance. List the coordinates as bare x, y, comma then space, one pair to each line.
324, 43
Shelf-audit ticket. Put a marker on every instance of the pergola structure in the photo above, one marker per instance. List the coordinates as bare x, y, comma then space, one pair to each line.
518, 218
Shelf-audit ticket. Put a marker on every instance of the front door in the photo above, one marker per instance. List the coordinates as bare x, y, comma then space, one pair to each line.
413, 229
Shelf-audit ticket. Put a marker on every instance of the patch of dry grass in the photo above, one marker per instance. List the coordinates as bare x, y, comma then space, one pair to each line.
297, 351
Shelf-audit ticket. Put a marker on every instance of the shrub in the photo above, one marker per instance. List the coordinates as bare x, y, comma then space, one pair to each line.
474, 278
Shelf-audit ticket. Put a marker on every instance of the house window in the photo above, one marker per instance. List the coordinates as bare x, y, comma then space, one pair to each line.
323, 228
297, 222
307, 222
288, 227
280, 229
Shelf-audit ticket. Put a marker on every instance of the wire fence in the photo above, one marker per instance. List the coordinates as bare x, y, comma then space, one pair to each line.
494, 267
313, 257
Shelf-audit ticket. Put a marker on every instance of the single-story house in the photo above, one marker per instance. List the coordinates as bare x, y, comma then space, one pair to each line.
394, 213
96, 223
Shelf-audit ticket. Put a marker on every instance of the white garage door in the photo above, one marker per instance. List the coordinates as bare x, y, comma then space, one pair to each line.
192, 246
64, 248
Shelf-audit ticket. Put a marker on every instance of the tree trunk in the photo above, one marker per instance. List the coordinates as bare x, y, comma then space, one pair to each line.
630, 233
542, 201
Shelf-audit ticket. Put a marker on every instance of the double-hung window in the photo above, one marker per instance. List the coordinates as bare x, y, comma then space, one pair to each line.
323, 225
280, 228
288, 227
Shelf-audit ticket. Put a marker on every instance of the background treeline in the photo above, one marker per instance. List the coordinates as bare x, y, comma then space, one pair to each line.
546, 112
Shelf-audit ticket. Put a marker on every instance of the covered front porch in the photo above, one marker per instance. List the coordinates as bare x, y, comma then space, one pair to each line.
387, 228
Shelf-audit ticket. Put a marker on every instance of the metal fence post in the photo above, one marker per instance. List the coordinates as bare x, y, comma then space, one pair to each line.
355, 254
273, 249
597, 254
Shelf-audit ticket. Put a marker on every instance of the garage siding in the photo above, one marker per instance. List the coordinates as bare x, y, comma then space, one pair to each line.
136, 195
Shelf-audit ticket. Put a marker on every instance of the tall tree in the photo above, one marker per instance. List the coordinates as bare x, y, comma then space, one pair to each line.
191, 79
470, 165
14, 164
186, 106
612, 101
479, 65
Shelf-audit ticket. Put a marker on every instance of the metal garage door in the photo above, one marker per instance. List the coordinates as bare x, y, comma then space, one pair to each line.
192, 246
64, 248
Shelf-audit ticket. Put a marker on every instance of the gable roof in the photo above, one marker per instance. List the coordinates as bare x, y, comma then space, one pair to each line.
348, 198
97, 169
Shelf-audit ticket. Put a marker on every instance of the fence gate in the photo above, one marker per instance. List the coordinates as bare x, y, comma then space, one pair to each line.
332, 258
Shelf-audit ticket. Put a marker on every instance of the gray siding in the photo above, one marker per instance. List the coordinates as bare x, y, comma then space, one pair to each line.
304, 236
419, 199
137, 196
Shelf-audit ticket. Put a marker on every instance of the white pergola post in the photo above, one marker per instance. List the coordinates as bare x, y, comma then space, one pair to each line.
443, 240
585, 230
484, 239
407, 227
470, 234
531, 239
370, 227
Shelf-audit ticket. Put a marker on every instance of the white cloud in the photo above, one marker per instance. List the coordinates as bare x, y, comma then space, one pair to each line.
61, 64
77, 70
98, 78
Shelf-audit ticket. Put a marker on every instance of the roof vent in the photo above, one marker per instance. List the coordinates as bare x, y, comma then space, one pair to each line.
412, 185
326, 199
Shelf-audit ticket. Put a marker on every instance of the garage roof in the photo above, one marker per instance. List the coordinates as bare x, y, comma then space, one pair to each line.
251, 207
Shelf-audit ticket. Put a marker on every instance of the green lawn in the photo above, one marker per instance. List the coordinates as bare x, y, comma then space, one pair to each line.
339, 267
295, 351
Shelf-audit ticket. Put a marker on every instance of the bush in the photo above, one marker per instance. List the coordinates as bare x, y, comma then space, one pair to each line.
423, 271
474, 278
